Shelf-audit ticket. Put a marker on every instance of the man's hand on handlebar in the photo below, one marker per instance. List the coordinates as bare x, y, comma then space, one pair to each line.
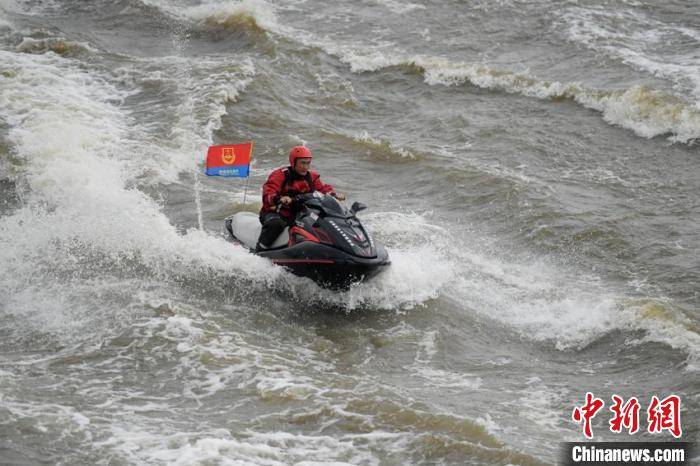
288, 201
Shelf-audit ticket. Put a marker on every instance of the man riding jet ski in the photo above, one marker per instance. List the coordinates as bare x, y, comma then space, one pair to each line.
305, 229
279, 190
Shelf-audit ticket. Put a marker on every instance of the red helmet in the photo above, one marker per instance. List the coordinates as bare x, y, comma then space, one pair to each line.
299, 152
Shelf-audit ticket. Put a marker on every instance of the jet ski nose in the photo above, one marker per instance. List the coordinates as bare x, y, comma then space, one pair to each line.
355, 238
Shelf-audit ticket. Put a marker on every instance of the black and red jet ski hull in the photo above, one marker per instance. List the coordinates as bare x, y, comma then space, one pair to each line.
326, 265
326, 243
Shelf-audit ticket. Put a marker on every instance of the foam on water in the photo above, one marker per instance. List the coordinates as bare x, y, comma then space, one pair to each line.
65, 310
420, 267
217, 359
29, 7
213, 360
538, 404
336, 89
640, 41
251, 447
69, 137
191, 357
400, 7
647, 112
174, 141
85, 235
48, 416
440, 378
549, 302
537, 298
663, 323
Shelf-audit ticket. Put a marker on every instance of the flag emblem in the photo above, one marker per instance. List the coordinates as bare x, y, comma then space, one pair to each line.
228, 155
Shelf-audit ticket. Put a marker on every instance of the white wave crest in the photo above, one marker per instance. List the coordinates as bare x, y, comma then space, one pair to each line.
400, 7
261, 12
204, 88
663, 323
57, 45
70, 138
646, 112
545, 302
384, 146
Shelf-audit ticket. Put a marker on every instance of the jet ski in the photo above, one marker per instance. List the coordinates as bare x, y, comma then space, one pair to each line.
326, 243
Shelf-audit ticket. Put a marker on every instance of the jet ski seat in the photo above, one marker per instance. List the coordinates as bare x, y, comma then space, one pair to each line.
246, 227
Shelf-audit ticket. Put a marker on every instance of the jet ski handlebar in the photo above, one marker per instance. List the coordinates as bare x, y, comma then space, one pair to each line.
325, 203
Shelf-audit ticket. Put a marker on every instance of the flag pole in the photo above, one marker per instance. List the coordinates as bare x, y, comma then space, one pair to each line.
245, 191
250, 162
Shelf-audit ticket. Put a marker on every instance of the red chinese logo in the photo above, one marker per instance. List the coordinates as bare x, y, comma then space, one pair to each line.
665, 415
626, 416
587, 412
661, 415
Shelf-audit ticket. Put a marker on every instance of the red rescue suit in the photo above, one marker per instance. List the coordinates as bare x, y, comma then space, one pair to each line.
284, 181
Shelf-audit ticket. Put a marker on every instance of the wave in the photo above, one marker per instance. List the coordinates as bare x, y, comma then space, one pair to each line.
377, 148
80, 213
569, 309
241, 20
663, 323
255, 16
336, 90
438, 433
640, 41
177, 135
647, 112
59, 46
